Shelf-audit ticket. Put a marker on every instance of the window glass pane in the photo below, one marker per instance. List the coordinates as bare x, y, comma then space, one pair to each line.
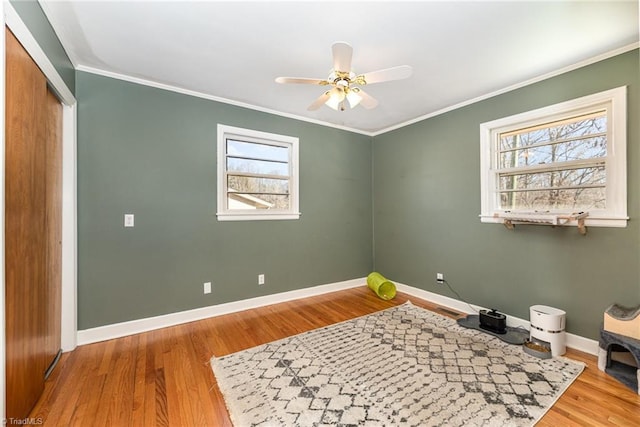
243, 201
588, 148
579, 138
582, 199
246, 184
580, 127
256, 150
563, 178
262, 167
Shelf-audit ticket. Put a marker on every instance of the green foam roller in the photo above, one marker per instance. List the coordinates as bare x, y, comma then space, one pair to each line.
381, 286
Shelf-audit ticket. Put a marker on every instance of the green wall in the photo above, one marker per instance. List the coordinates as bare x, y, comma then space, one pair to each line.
152, 153
427, 202
34, 18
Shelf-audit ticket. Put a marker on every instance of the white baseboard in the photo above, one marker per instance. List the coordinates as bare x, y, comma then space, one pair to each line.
117, 330
574, 341
587, 345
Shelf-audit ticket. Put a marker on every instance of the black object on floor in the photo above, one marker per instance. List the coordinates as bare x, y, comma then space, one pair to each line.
493, 321
516, 336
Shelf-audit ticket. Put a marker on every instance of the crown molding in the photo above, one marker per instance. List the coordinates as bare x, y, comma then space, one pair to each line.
177, 89
189, 92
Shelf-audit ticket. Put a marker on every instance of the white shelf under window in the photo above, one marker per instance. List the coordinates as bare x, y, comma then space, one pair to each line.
510, 219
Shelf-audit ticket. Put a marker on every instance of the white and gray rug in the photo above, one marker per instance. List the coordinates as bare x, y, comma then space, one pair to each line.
404, 366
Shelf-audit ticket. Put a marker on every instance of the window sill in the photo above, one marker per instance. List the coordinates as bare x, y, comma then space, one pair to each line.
256, 217
591, 221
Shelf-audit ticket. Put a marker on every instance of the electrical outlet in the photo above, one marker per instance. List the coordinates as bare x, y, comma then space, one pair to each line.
207, 288
440, 278
260, 279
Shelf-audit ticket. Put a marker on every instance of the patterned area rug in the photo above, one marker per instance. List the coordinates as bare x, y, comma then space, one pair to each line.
404, 366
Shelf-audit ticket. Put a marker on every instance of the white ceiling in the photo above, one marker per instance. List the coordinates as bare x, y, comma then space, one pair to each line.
233, 50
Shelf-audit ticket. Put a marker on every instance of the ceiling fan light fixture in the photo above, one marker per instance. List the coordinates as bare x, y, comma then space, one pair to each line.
353, 98
336, 99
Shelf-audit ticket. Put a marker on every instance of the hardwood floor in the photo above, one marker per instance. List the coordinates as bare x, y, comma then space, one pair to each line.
163, 377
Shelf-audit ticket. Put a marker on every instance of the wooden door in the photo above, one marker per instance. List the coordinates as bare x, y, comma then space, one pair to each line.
53, 226
30, 300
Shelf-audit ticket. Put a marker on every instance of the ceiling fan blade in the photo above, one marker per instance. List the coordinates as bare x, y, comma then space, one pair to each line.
367, 101
319, 102
342, 54
393, 73
301, 80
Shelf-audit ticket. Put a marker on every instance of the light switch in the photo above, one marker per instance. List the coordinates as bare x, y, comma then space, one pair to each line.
128, 220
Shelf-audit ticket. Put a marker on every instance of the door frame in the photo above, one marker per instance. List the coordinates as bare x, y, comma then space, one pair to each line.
69, 332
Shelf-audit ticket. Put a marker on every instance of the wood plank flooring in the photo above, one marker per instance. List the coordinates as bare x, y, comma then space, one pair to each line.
163, 377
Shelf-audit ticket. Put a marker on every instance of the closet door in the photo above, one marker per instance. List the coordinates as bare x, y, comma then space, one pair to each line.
30, 299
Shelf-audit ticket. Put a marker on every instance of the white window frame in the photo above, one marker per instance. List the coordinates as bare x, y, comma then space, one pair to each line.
249, 135
614, 101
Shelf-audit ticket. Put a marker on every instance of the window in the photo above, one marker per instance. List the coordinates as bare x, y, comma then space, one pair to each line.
562, 159
257, 175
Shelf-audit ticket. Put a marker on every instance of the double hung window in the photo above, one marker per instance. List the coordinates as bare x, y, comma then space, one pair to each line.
257, 175
564, 159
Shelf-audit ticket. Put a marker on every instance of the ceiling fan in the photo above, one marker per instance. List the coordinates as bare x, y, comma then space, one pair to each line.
345, 83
